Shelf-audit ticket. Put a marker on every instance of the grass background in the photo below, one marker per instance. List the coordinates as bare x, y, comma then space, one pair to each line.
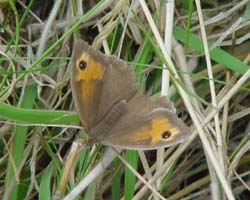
38, 122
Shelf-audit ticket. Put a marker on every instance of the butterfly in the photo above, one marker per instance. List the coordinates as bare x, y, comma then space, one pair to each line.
112, 111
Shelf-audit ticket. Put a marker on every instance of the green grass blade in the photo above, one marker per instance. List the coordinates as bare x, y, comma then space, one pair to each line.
116, 183
23, 115
19, 141
44, 192
217, 54
129, 186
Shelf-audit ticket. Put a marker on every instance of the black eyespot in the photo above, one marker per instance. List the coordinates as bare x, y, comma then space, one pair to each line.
82, 65
166, 135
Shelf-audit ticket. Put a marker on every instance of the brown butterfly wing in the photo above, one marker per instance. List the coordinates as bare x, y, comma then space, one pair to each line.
147, 125
119, 83
98, 82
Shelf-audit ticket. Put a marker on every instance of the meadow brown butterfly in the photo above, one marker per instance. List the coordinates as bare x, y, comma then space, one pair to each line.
111, 110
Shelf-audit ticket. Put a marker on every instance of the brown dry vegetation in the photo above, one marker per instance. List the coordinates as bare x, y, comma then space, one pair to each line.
38, 123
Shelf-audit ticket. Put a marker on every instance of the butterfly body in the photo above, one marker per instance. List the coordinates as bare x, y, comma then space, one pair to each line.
112, 112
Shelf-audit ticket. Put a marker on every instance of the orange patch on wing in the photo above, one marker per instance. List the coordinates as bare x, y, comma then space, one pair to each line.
158, 126
93, 71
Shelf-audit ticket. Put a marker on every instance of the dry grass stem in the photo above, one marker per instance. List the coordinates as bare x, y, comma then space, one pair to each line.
196, 53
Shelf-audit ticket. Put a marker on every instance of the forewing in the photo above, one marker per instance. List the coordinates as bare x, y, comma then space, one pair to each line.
87, 72
98, 82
